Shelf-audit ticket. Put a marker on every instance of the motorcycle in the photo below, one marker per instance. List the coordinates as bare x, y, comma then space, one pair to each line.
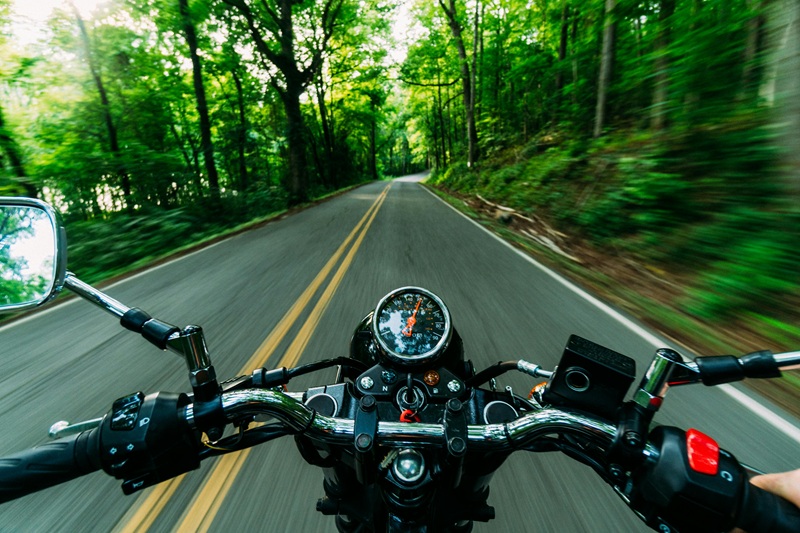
408, 435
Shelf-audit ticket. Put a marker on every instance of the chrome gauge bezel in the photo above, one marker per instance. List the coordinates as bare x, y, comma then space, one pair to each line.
406, 359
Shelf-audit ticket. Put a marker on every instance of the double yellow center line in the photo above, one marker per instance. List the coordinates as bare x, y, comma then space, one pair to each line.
200, 513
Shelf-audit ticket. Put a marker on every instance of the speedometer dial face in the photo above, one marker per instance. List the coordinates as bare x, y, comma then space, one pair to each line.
412, 325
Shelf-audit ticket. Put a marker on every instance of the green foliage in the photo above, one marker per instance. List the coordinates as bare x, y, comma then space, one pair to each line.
758, 270
98, 249
704, 200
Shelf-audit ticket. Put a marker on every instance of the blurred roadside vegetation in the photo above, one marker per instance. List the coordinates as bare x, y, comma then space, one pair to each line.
715, 226
98, 251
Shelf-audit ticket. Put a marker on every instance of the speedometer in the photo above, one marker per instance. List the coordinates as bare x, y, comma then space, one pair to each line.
412, 325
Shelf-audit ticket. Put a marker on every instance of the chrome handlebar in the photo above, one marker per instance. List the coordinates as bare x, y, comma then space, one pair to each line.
289, 409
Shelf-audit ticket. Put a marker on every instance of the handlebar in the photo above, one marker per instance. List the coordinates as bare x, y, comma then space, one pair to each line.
497, 437
49, 464
168, 446
765, 512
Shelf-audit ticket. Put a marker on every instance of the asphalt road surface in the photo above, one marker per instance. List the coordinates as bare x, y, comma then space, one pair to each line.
71, 361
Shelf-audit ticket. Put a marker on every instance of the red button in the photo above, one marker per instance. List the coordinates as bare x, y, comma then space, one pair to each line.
703, 452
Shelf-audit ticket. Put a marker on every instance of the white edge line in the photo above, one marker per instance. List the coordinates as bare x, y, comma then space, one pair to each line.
778, 422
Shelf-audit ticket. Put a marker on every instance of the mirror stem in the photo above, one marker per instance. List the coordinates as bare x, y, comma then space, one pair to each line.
96, 297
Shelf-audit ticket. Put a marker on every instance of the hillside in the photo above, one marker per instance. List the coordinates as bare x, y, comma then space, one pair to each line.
699, 247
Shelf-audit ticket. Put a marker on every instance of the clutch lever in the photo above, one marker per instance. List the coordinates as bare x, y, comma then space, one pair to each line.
62, 428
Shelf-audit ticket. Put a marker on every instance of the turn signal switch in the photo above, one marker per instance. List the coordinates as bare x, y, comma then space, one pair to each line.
143, 441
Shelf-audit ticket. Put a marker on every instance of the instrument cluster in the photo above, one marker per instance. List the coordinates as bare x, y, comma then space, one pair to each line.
412, 326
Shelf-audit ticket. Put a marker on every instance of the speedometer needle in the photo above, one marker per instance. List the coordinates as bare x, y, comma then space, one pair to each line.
411, 321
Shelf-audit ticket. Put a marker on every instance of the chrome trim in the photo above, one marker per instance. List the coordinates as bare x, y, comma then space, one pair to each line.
510, 436
488, 405
59, 250
63, 428
667, 369
533, 370
440, 347
87, 292
788, 360
409, 466
191, 344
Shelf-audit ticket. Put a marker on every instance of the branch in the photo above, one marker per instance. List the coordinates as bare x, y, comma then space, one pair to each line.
420, 84
261, 45
271, 12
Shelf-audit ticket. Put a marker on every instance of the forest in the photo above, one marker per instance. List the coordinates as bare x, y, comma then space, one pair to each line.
662, 132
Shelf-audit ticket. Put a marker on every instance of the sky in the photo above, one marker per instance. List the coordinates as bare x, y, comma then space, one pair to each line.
30, 15
39, 10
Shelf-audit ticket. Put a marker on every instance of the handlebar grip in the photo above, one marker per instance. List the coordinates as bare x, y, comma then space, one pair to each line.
48, 464
764, 512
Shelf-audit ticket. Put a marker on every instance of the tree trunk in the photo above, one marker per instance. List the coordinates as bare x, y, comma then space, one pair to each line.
113, 142
658, 112
473, 103
242, 130
327, 133
206, 145
296, 138
296, 77
754, 43
782, 89
10, 147
373, 145
436, 161
562, 50
466, 82
442, 128
606, 67
574, 54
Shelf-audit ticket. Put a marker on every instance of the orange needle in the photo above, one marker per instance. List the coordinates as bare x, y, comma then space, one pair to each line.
411, 321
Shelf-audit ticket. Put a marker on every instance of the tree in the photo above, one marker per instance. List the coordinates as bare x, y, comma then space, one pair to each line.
274, 27
113, 141
658, 116
782, 88
467, 78
10, 152
606, 66
206, 144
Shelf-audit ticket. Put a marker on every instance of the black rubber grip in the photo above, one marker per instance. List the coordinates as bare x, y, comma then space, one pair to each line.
764, 512
718, 369
48, 464
158, 332
760, 365
134, 319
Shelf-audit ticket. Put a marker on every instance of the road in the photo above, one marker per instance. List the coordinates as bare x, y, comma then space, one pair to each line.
71, 361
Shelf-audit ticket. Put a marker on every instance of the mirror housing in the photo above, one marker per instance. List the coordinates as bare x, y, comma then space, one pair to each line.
33, 253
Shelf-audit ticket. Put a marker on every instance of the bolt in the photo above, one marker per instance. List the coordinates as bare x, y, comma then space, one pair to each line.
454, 386
214, 434
368, 403
454, 405
633, 439
363, 442
457, 445
366, 382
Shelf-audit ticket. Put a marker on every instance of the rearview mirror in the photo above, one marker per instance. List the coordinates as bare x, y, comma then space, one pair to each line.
32, 253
